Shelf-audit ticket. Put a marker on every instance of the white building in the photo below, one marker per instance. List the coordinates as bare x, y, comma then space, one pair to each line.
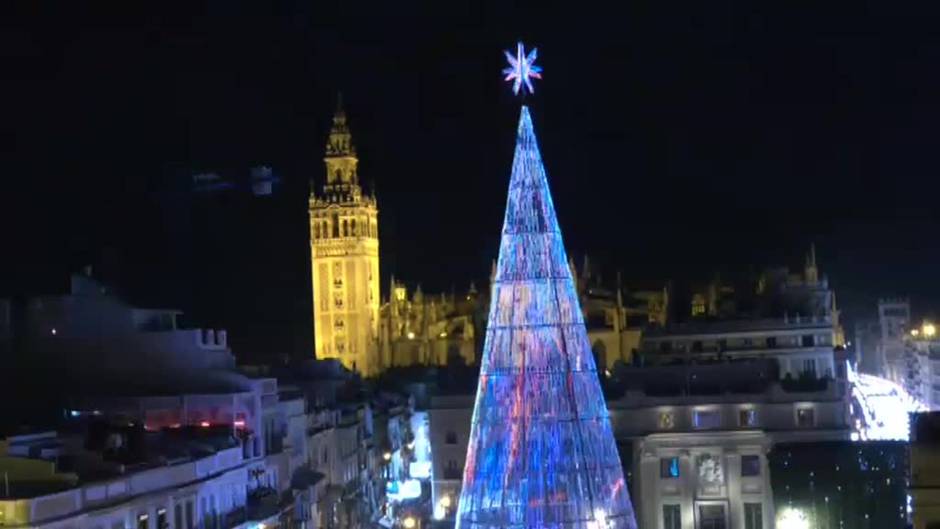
449, 418
919, 365
199, 483
696, 461
894, 320
700, 461
800, 346
91, 329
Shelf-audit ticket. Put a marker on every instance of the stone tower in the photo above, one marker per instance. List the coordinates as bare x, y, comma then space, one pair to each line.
344, 256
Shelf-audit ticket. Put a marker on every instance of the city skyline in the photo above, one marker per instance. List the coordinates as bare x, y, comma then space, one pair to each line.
254, 268
715, 151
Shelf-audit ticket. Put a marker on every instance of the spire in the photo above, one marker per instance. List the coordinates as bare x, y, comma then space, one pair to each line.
541, 451
811, 272
340, 142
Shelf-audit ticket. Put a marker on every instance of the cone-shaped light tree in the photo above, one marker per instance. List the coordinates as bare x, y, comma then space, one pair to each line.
541, 451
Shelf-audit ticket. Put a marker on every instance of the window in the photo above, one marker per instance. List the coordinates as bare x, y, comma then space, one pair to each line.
143, 521
750, 465
722, 345
771, 342
809, 367
189, 515
667, 420
669, 467
706, 419
807, 340
747, 418
451, 437
712, 516
178, 516
161, 519
672, 519
698, 305
805, 417
451, 470
697, 346
753, 517
665, 347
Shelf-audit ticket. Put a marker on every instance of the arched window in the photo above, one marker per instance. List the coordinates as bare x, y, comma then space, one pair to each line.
345, 228
316, 230
352, 226
339, 175
335, 225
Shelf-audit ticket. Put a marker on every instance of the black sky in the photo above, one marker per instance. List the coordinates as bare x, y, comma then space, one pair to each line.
680, 138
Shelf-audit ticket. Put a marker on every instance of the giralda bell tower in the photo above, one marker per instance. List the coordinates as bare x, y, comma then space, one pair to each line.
344, 256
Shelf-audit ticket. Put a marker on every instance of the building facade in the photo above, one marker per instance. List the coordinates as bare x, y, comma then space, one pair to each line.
801, 347
449, 419
694, 460
344, 255
925, 470
918, 365
894, 320
91, 329
700, 461
202, 481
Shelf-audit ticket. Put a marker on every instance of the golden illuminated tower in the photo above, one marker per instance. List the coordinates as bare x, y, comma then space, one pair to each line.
344, 251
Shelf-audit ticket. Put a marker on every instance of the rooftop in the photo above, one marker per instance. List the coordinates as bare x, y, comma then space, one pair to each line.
50, 463
742, 325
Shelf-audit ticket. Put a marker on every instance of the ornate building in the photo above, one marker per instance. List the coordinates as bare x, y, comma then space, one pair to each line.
344, 251
430, 330
351, 322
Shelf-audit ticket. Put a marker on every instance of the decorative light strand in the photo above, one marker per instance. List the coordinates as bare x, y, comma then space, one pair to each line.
541, 451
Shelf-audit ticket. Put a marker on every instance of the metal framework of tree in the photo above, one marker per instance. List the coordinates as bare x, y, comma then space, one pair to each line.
541, 450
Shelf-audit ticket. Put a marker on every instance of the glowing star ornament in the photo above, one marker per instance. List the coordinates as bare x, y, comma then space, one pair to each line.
522, 69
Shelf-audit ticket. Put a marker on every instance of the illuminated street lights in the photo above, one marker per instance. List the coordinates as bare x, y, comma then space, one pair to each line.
442, 509
409, 522
791, 518
929, 330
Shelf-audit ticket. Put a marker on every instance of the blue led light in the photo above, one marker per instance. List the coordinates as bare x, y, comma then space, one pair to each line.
674, 467
541, 451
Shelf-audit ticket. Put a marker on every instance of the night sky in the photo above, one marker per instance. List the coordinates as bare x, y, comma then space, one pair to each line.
680, 138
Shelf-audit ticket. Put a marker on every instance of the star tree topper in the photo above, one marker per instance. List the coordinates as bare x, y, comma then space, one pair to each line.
522, 69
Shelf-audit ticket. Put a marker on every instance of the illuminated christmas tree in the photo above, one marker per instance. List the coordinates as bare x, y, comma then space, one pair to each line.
541, 450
